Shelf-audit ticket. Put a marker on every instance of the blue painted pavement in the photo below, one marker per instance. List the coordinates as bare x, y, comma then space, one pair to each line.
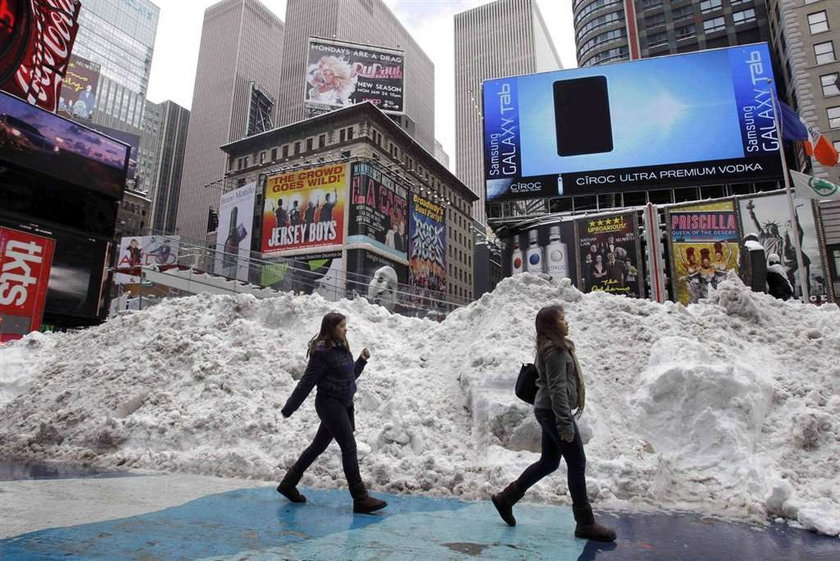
257, 524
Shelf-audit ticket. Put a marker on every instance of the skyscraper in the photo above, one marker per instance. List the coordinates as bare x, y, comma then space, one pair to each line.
173, 124
241, 43
361, 21
119, 35
615, 30
503, 38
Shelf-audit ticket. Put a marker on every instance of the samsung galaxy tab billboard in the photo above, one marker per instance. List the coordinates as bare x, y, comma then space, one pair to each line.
689, 119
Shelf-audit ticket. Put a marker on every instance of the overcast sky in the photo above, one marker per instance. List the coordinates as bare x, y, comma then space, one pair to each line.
429, 21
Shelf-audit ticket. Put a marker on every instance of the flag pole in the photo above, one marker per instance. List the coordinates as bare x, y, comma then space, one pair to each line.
795, 234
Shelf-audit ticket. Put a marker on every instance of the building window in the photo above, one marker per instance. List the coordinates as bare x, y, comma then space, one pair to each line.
714, 24
651, 4
309, 145
833, 117
297, 147
824, 52
818, 22
682, 13
707, 6
685, 31
262, 157
744, 16
830, 84
657, 39
322, 141
350, 133
341, 135
654, 20
273, 154
601, 21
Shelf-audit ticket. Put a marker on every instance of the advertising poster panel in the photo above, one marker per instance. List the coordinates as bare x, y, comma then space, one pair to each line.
578, 131
546, 248
78, 89
378, 211
319, 273
233, 236
38, 39
25, 262
377, 278
705, 244
768, 216
610, 255
145, 251
304, 208
46, 143
427, 245
340, 74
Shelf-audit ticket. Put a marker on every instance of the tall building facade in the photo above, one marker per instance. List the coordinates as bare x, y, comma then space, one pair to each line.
241, 43
119, 35
615, 30
503, 38
360, 21
173, 124
806, 35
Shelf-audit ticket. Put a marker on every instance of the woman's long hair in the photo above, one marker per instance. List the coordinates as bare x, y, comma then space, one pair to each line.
548, 332
328, 335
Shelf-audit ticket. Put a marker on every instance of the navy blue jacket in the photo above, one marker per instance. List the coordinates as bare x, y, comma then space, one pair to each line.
331, 369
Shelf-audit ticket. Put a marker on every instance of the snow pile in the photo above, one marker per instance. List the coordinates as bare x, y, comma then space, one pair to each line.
727, 407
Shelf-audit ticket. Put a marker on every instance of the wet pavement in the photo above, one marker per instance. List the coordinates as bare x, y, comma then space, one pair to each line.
151, 516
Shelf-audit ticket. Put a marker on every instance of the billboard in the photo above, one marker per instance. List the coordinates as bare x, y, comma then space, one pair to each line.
546, 248
340, 74
378, 211
233, 236
319, 273
78, 90
769, 217
689, 119
705, 244
45, 143
38, 36
376, 278
426, 245
25, 261
304, 208
145, 251
609, 255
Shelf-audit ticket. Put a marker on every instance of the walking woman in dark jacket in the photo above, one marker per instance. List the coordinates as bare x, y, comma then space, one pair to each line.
560, 390
332, 369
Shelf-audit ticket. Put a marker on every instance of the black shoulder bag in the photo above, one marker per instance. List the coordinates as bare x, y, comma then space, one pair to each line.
526, 383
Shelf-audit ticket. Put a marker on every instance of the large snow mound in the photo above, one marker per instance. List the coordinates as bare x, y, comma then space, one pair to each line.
731, 406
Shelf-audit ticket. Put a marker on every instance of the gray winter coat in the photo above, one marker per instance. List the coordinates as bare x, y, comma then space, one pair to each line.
558, 387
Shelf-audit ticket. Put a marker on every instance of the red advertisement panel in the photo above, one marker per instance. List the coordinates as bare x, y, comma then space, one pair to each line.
39, 38
25, 261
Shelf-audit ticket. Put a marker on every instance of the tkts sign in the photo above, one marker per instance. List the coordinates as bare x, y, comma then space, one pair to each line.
25, 261
36, 38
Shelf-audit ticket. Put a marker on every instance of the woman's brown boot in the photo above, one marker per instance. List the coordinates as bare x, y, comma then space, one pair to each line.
587, 528
505, 500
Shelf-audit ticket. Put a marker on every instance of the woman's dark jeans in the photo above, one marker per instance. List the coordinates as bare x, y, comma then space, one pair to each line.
553, 448
337, 423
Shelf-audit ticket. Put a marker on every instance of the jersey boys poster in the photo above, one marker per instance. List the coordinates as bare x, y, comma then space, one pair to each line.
704, 246
304, 208
427, 245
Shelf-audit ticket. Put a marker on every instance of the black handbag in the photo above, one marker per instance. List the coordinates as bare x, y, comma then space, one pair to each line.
526, 383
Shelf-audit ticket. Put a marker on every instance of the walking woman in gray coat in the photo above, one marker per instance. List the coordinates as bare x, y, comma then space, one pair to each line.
560, 391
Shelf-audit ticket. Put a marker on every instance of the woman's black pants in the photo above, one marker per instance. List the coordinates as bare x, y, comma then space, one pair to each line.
337, 423
553, 448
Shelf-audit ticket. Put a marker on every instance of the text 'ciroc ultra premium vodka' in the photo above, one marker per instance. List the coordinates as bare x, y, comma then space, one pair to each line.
535, 257
556, 255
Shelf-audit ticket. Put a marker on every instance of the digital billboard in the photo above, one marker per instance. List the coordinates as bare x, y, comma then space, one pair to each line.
378, 211
318, 273
704, 240
46, 143
133, 142
609, 254
233, 235
697, 118
304, 209
38, 37
78, 89
340, 74
377, 278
